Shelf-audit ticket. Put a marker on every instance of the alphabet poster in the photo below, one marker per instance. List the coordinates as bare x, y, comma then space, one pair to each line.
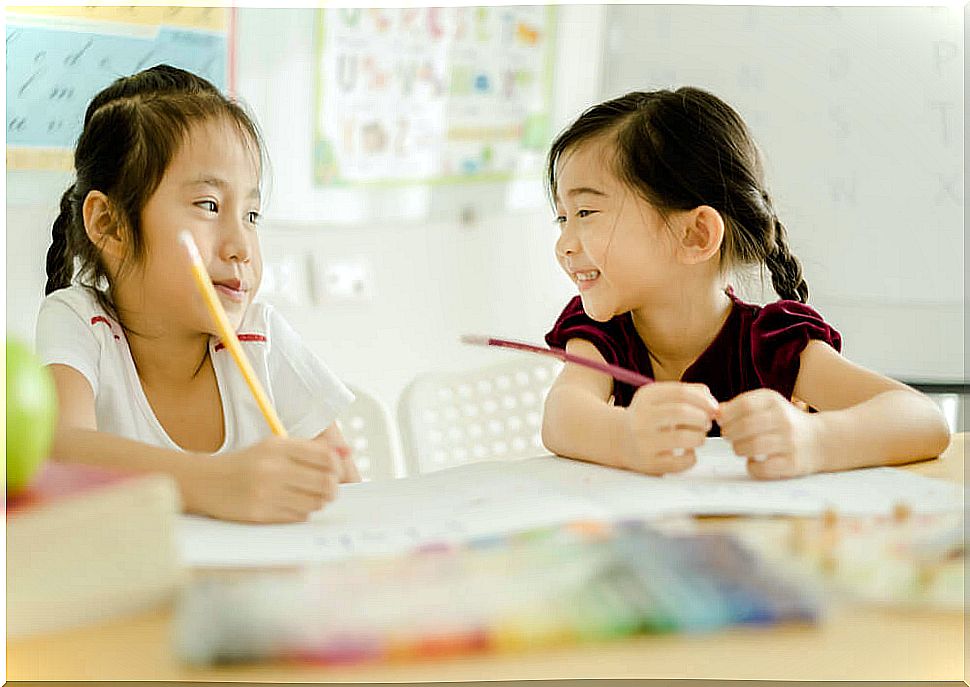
419, 95
58, 58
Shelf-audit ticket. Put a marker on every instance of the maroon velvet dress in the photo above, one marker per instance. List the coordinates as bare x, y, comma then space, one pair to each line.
757, 347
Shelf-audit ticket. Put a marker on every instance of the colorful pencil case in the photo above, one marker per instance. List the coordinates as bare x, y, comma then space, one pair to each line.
577, 583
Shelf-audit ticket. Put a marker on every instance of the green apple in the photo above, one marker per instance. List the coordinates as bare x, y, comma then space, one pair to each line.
31, 413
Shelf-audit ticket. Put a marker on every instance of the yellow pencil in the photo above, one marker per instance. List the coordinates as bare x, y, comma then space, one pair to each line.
229, 338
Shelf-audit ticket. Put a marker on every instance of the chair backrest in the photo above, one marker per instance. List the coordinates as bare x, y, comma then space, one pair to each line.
495, 412
368, 428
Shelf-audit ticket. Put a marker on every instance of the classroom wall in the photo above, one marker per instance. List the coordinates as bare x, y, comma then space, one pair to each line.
431, 275
478, 258
432, 279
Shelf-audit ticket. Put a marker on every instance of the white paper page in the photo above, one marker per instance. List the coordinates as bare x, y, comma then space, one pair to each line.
720, 485
475, 500
494, 498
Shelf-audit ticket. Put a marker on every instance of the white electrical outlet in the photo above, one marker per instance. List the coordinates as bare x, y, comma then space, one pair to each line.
343, 281
284, 280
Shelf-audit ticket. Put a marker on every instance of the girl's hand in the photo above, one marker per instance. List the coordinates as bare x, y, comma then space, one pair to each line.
277, 480
348, 468
778, 439
335, 438
667, 421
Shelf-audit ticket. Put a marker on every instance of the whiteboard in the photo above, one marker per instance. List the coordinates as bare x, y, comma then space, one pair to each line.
859, 113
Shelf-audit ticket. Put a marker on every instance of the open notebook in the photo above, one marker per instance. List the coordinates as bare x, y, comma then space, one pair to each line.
496, 498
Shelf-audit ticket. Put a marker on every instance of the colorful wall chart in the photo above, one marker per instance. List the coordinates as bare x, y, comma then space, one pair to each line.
432, 94
58, 58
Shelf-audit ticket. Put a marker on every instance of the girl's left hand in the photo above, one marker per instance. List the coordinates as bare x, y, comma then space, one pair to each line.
777, 438
350, 471
335, 438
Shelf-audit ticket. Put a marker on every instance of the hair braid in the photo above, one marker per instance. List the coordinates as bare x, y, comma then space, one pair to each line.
685, 148
60, 258
786, 270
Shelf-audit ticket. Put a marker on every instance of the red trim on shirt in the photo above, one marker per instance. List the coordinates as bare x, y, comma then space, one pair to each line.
105, 320
243, 337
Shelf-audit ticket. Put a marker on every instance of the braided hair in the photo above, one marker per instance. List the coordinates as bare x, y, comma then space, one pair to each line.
685, 148
132, 130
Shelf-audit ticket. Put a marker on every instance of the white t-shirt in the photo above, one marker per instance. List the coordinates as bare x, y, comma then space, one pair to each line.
73, 330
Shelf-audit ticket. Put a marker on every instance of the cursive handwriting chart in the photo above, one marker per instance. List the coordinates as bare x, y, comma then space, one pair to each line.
56, 64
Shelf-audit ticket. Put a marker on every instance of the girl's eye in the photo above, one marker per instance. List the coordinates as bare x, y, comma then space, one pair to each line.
560, 220
208, 205
584, 213
254, 217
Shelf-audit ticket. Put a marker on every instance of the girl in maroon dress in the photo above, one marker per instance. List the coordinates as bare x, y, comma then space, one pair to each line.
659, 197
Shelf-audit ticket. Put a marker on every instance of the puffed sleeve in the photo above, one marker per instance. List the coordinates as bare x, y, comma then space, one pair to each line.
64, 338
779, 334
574, 323
307, 394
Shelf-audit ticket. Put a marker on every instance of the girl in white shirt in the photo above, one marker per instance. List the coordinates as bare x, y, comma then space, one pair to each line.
143, 382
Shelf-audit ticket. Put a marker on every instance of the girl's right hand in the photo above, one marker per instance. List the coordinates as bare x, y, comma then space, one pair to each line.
666, 422
277, 480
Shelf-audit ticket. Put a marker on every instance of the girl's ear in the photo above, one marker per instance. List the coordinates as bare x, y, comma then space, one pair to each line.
702, 233
102, 226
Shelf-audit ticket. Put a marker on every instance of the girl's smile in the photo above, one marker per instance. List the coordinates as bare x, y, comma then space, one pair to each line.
613, 244
233, 289
210, 189
586, 279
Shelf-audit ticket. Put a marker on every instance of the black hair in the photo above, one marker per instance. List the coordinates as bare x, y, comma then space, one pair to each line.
686, 148
132, 130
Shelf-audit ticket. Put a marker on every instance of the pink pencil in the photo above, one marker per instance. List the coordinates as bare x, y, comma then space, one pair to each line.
620, 373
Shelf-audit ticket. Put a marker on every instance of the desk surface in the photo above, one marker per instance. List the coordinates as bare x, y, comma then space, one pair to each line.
850, 643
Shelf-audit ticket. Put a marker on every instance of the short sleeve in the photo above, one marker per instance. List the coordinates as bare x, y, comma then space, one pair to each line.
64, 338
308, 396
574, 323
779, 334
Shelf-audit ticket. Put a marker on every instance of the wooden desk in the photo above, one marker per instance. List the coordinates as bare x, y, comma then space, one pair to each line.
851, 643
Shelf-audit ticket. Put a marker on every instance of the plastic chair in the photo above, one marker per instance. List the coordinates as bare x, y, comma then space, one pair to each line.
368, 428
489, 413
